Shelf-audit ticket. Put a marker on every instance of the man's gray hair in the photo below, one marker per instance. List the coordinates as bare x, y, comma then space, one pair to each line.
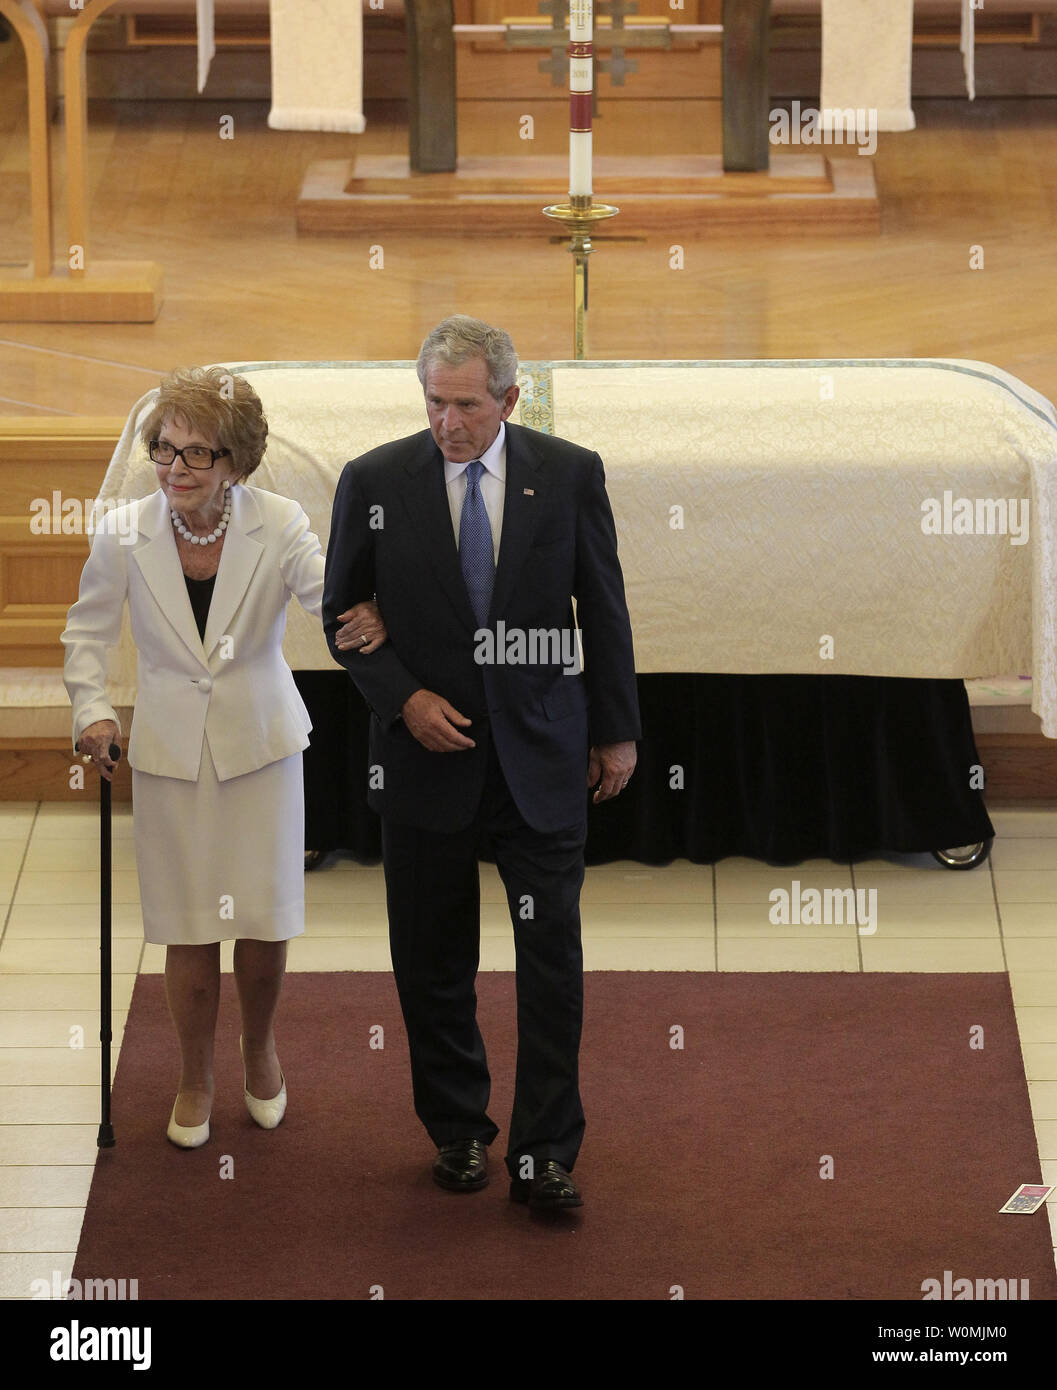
460, 338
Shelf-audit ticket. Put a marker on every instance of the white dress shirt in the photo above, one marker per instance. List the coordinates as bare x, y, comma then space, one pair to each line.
493, 487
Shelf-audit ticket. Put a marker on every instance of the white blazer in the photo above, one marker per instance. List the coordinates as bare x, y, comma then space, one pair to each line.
234, 688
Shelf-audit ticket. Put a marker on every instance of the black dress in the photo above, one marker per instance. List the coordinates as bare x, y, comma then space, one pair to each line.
200, 592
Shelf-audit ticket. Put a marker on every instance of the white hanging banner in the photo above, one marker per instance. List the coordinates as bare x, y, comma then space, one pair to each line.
317, 65
207, 48
866, 52
968, 47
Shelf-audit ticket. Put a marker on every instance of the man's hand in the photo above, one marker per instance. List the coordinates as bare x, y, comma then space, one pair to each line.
432, 721
96, 741
613, 763
364, 630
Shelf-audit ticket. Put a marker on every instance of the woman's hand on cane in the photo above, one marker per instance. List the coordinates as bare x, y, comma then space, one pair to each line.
95, 742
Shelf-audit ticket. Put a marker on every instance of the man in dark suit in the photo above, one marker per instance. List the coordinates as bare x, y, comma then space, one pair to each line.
476, 535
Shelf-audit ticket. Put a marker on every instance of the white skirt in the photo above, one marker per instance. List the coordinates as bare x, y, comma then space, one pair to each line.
221, 860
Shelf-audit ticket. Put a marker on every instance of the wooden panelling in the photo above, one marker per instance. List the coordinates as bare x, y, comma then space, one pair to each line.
38, 456
242, 31
50, 472
1018, 765
40, 770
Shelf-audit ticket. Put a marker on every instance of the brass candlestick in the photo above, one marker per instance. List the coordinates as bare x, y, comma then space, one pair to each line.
578, 216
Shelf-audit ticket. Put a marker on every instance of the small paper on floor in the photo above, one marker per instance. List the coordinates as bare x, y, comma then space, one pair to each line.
1027, 1198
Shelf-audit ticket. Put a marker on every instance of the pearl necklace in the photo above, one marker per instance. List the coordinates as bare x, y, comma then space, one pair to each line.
214, 535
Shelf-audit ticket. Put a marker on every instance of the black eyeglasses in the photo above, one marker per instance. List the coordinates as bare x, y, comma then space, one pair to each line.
194, 455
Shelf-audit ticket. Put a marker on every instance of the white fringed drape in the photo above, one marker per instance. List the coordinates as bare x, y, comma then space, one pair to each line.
866, 50
317, 65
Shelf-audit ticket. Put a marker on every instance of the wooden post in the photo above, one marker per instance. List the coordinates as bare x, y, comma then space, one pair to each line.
746, 92
431, 57
29, 27
76, 118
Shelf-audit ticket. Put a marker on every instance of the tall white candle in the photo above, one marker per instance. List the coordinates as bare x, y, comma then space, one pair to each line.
581, 84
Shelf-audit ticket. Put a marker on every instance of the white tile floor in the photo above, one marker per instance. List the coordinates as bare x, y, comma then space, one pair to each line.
1001, 916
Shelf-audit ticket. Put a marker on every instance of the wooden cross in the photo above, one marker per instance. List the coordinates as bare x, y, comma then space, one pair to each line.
558, 11
617, 9
616, 65
612, 39
557, 65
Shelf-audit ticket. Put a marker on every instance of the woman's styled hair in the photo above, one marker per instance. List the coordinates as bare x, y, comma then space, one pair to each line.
220, 405
459, 338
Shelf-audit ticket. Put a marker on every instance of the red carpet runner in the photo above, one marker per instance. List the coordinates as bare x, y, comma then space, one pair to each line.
700, 1169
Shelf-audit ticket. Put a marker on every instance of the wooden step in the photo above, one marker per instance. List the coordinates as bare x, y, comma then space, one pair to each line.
670, 194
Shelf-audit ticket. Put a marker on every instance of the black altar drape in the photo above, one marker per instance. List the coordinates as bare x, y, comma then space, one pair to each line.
777, 768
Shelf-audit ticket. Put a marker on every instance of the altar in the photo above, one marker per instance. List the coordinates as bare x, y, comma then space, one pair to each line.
803, 624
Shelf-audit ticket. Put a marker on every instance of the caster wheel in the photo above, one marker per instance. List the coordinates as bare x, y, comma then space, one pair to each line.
964, 856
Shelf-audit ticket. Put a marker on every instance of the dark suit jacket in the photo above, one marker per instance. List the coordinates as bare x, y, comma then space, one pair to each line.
391, 537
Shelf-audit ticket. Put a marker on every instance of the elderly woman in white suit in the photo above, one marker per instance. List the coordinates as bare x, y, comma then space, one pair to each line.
207, 565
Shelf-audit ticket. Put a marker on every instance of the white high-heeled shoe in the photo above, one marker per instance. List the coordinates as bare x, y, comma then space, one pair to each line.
266, 1113
186, 1136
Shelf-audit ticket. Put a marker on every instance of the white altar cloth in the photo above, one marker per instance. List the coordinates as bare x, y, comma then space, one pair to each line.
800, 485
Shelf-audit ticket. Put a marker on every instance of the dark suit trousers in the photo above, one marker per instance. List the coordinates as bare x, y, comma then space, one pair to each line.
433, 895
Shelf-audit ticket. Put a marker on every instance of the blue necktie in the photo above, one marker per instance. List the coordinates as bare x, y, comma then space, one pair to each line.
476, 554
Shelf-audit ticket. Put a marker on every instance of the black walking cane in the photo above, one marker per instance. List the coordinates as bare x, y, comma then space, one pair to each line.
105, 1137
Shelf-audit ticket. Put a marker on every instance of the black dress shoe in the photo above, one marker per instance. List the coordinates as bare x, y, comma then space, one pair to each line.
462, 1166
550, 1189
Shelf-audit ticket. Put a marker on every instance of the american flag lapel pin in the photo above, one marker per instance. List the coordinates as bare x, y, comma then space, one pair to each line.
529, 492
